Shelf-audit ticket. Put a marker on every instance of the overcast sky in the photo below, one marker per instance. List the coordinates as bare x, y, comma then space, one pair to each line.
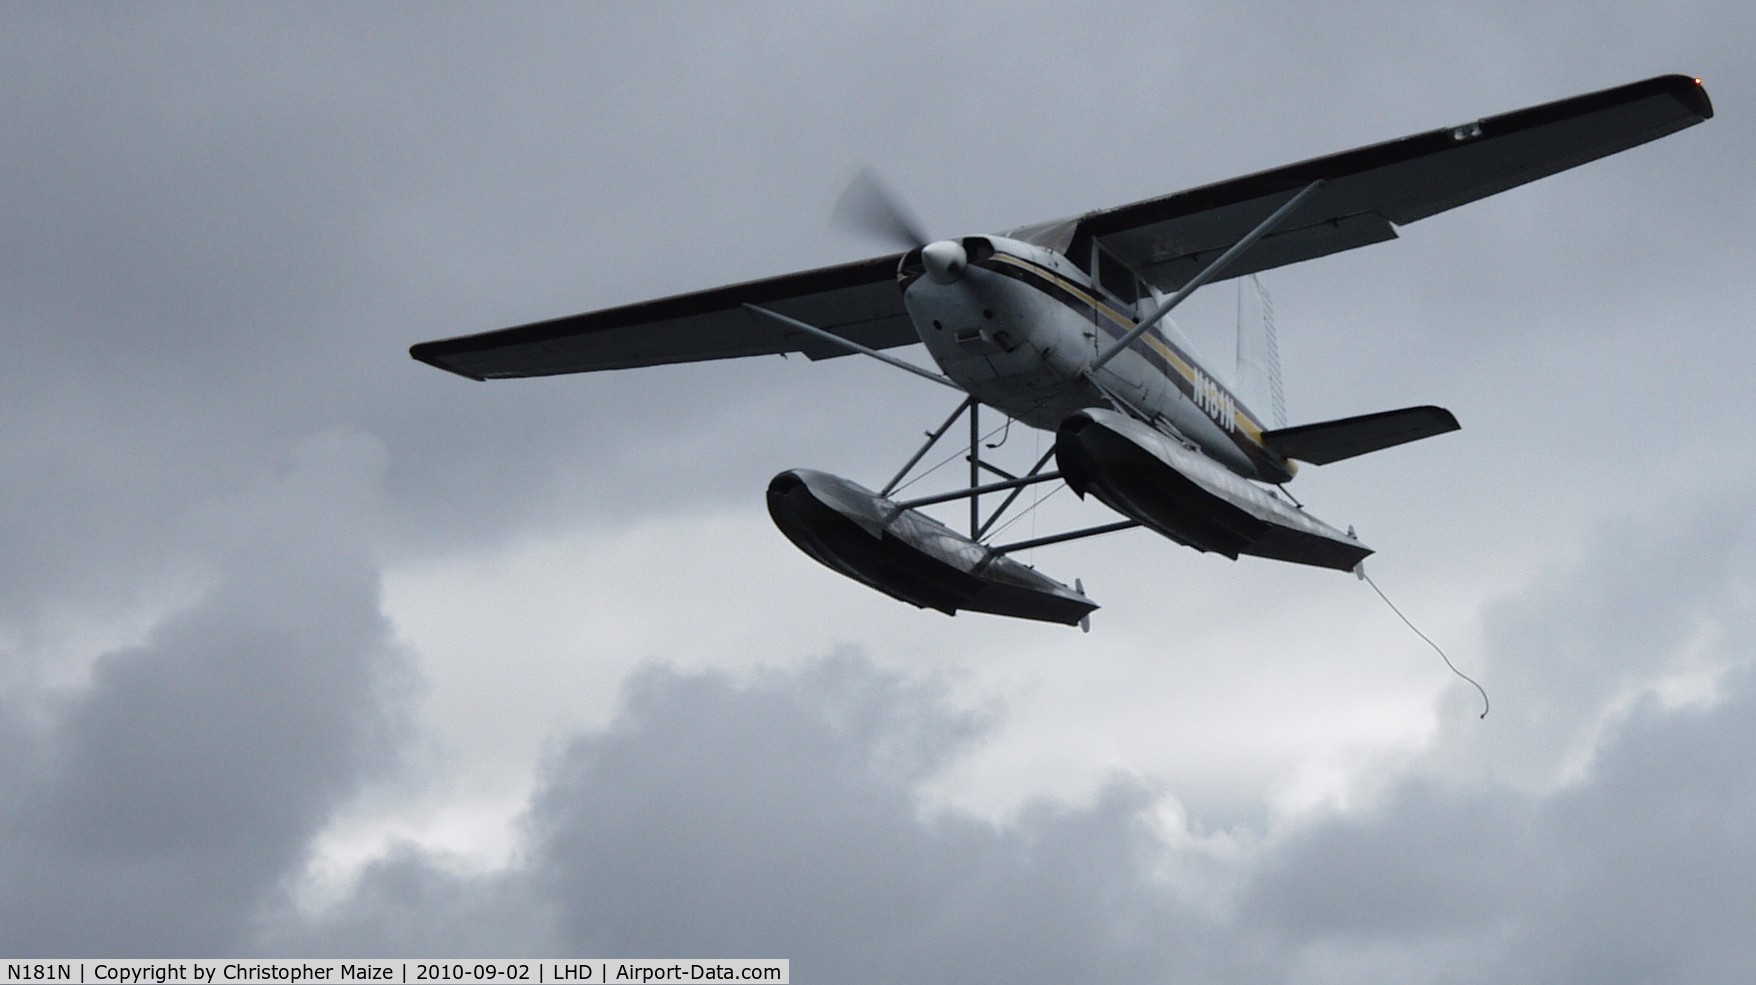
310, 649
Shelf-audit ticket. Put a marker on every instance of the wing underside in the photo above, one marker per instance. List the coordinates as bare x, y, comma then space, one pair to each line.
857, 301
1369, 191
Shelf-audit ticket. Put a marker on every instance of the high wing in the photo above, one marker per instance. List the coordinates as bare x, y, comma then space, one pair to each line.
857, 301
1366, 192
1369, 190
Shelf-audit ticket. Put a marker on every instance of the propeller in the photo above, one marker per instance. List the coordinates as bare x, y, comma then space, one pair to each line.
870, 207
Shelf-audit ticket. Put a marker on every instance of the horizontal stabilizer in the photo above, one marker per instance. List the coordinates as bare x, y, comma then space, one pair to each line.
1332, 441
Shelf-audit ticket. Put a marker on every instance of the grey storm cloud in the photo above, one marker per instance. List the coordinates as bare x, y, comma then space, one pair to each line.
782, 817
155, 810
1492, 858
1636, 873
1663, 594
782, 814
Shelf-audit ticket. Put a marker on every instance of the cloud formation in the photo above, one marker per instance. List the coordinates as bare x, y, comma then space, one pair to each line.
157, 808
782, 814
781, 817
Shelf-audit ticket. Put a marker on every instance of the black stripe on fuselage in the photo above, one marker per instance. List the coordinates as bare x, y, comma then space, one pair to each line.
1115, 324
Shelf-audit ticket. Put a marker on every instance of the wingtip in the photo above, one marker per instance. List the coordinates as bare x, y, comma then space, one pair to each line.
1444, 419
1691, 92
427, 352
1703, 105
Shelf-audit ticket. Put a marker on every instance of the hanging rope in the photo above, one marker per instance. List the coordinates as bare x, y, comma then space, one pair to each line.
1368, 580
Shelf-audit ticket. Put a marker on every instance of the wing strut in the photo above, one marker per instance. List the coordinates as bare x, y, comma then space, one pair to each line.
975, 472
933, 437
853, 346
975, 489
1031, 476
1208, 273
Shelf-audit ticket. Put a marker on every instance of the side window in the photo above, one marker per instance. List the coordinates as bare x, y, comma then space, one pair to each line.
1114, 276
1117, 278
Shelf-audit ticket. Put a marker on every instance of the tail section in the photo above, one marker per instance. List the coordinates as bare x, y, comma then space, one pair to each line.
1333, 441
1257, 384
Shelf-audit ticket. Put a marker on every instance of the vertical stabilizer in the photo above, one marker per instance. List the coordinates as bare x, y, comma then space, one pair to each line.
1257, 378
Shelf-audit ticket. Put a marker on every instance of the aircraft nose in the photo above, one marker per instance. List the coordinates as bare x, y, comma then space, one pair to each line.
944, 260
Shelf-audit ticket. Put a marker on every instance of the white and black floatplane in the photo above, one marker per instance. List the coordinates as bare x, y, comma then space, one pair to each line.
1061, 326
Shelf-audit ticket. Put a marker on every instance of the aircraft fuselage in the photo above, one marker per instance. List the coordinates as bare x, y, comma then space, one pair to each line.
1019, 325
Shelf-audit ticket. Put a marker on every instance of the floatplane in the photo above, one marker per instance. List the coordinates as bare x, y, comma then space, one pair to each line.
1061, 326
